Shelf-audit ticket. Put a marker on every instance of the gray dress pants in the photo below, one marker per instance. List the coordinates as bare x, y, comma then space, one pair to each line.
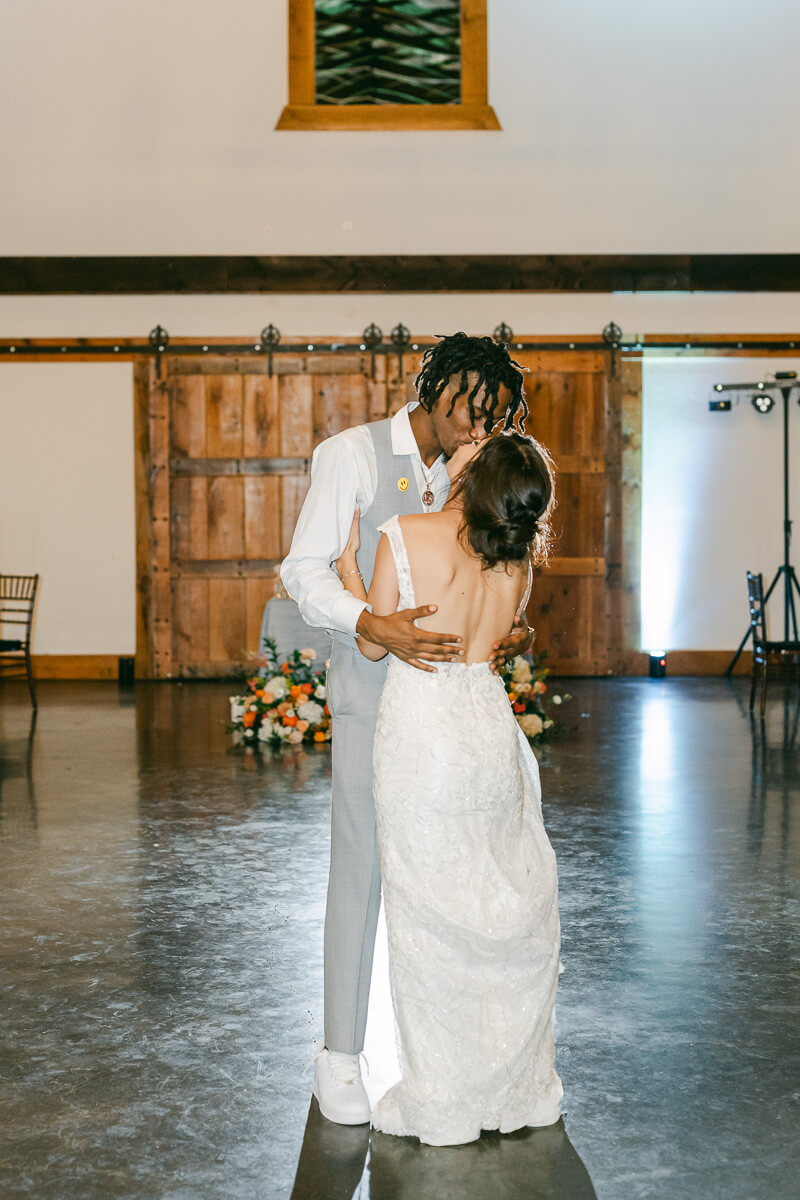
354, 685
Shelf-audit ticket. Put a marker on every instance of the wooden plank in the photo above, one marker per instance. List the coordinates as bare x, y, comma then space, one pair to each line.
238, 466
223, 416
339, 402
226, 568
613, 522
190, 623
401, 273
261, 432
144, 526
74, 666
301, 52
315, 362
293, 493
188, 416
295, 395
161, 619
262, 518
189, 498
579, 464
226, 518
631, 549
257, 593
575, 566
388, 116
227, 629
474, 68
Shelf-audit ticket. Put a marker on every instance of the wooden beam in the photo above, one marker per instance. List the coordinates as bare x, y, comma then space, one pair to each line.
214, 274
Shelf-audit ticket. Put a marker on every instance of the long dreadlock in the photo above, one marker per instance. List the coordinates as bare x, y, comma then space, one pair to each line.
458, 354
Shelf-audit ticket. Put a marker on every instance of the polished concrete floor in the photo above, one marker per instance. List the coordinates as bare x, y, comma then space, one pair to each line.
162, 903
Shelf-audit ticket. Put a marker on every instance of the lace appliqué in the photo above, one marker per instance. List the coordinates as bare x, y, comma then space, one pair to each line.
395, 535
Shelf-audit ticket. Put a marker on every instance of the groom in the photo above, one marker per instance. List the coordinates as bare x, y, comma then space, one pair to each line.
467, 386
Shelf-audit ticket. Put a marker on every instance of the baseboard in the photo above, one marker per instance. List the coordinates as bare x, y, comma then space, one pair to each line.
679, 662
707, 662
76, 666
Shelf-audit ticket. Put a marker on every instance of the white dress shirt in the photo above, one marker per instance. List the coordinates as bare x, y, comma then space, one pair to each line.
344, 474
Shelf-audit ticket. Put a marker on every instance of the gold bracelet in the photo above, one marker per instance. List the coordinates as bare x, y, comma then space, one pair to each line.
355, 571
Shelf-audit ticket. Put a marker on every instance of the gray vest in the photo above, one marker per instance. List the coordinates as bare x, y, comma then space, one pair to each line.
389, 500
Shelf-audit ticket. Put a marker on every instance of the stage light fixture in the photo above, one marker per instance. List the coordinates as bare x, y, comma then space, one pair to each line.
719, 405
763, 402
658, 664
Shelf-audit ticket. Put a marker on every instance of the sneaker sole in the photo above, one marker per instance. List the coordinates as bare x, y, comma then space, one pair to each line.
339, 1120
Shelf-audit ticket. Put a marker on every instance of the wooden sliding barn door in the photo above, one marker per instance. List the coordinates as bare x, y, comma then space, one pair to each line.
227, 454
576, 606
223, 458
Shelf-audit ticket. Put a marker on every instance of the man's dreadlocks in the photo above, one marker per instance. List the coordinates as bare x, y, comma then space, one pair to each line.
458, 354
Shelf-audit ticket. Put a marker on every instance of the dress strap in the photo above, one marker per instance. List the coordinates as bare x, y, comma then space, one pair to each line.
395, 535
527, 596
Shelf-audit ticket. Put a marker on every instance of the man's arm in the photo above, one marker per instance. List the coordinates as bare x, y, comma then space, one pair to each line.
339, 480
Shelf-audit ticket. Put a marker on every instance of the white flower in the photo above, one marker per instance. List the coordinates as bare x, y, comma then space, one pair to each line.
308, 654
237, 708
310, 712
248, 733
522, 672
283, 731
321, 692
548, 723
295, 737
556, 699
276, 685
265, 731
530, 724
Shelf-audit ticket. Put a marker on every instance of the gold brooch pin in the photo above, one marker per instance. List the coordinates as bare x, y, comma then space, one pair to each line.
403, 484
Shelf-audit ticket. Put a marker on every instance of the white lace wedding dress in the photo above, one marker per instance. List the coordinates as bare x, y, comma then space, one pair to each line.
470, 892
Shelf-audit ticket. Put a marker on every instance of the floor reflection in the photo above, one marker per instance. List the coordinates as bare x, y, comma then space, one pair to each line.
775, 768
338, 1162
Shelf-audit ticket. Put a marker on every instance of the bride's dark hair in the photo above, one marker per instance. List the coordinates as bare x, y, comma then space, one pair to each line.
507, 493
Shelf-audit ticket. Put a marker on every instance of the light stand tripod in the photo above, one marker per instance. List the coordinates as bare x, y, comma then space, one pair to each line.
785, 571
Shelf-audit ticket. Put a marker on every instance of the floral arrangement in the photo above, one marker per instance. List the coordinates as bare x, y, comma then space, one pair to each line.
528, 693
284, 703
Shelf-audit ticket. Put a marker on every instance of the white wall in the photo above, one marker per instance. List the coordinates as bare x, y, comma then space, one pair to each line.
628, 126
712, 501
67, 501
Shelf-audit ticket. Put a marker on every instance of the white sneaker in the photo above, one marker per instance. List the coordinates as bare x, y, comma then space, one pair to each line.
340, 1093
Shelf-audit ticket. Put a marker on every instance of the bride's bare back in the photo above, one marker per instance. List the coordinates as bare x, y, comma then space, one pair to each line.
479, 605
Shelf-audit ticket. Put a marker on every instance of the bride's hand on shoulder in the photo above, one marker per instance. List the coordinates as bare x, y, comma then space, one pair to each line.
347, 559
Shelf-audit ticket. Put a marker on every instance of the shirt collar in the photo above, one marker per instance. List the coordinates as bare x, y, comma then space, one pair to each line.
403, 440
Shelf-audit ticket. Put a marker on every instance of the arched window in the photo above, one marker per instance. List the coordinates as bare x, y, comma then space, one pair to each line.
387, 64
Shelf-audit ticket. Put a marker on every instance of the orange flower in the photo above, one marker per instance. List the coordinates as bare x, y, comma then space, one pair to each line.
287, 670
327, 711
295, 691
512, 696
268, 698
302, 726
319, 736
260, 693
290, 720
249, 719
307, 688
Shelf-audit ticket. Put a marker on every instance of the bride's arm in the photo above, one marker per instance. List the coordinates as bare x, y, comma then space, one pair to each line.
384, 592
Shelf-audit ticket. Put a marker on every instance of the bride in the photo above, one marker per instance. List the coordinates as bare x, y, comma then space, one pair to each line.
469, 876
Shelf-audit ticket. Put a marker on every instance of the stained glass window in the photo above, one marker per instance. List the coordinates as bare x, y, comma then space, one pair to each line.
387, 52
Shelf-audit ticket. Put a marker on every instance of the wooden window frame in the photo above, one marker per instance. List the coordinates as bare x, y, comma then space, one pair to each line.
474, 111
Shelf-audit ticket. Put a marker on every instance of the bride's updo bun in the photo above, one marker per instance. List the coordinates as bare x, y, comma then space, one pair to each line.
507, 495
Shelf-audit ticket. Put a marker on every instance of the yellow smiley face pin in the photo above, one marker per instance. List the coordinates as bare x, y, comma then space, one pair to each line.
403, 484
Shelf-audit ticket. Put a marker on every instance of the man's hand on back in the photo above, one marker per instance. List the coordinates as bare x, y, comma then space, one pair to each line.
400, 636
